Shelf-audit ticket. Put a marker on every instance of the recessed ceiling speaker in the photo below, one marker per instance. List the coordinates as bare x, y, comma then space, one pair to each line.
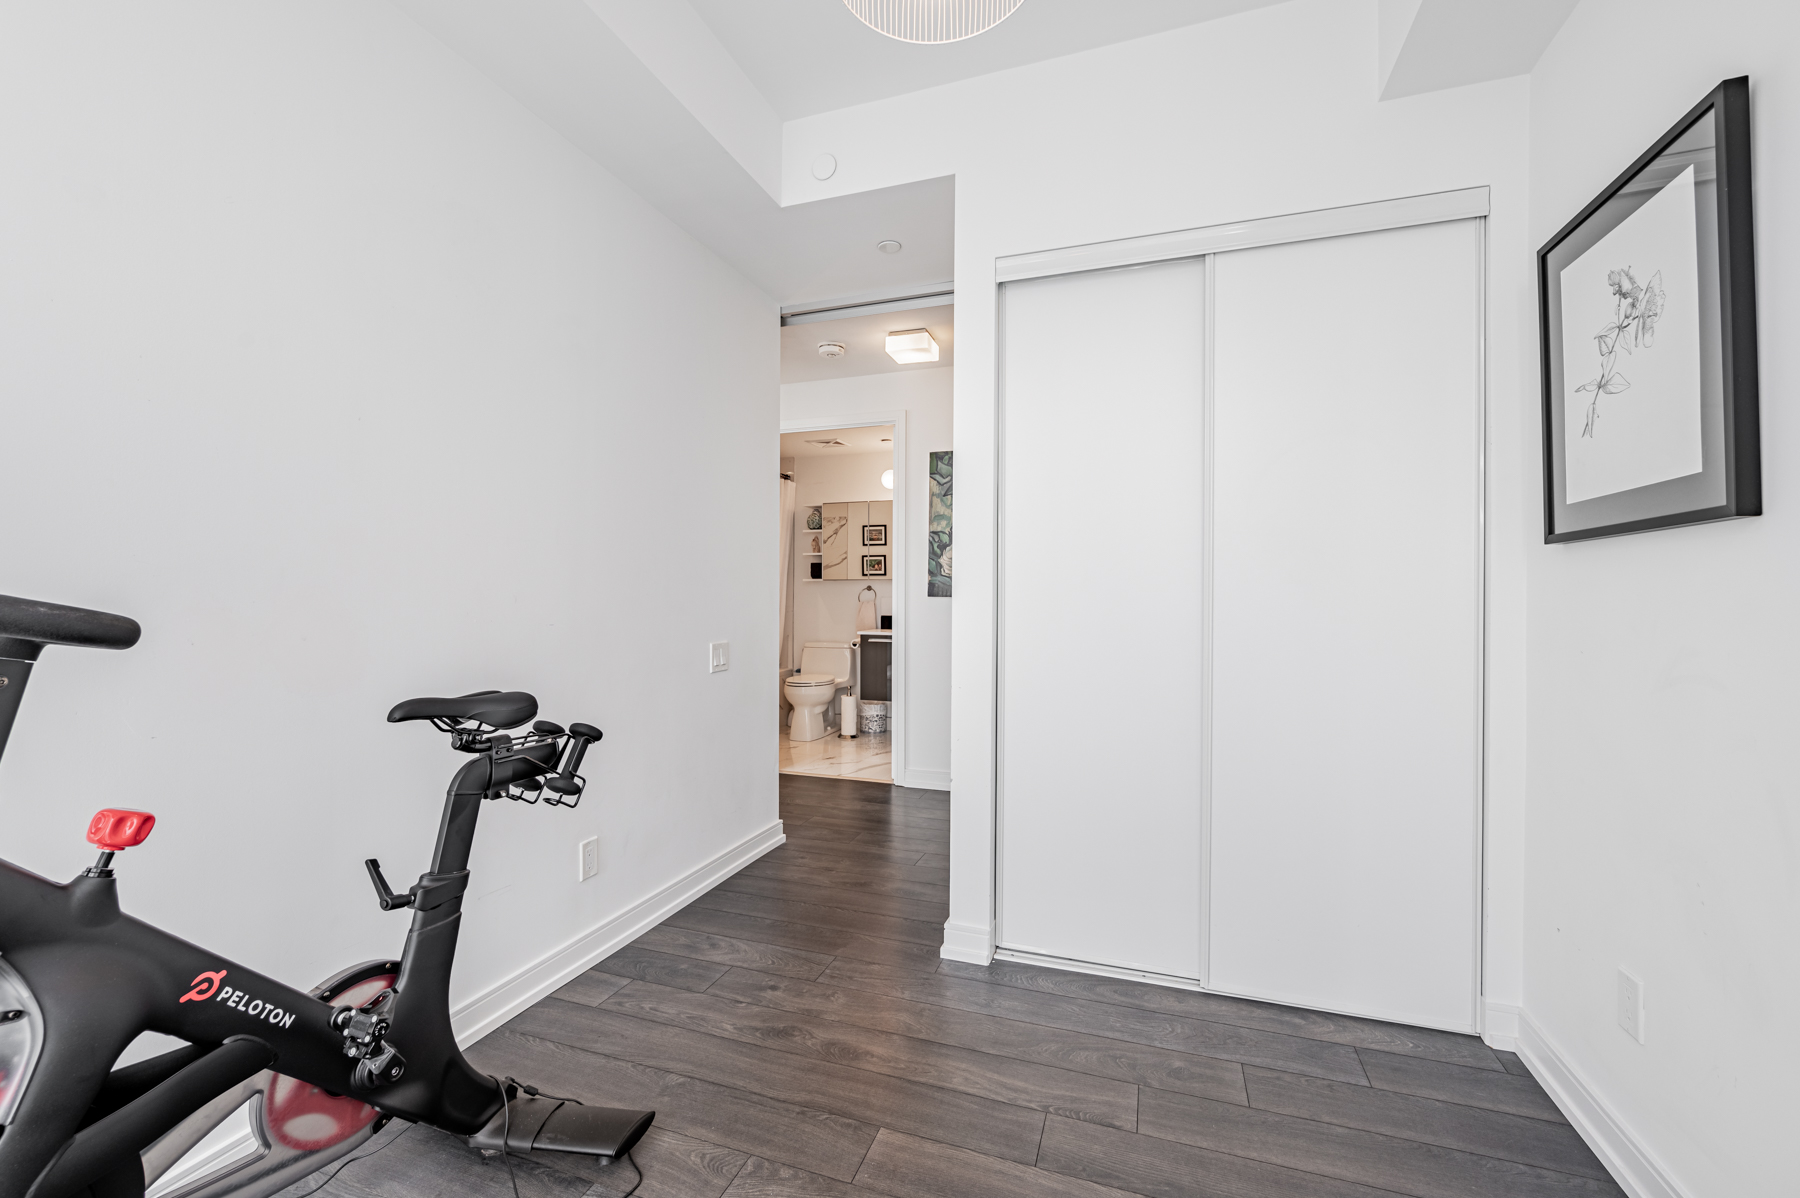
888, 247
830, 349
930, 22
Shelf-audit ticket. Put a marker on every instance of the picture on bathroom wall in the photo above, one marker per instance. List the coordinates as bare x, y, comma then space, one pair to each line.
874, 565
874, 534
937, 546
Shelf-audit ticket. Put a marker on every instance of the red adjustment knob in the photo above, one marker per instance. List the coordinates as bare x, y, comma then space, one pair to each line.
114, 830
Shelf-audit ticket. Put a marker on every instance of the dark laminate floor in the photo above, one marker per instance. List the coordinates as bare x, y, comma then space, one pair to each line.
799, 1037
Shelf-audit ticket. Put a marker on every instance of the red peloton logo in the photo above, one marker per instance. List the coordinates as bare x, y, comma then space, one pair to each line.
205, 986
211, 985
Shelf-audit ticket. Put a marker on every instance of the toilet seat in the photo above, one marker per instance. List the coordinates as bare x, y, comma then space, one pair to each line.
812, 680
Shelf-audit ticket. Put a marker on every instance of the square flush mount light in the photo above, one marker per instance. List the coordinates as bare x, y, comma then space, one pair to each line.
912, 345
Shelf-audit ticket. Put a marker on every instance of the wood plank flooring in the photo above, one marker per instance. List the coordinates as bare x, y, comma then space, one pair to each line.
798, 1037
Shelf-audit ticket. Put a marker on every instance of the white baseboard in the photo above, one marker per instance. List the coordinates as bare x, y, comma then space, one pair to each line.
481, 1015
1625, 1156
924, 779
970, 943
1500, 1026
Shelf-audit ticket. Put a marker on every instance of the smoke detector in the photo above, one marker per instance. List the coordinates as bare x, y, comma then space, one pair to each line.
830, 349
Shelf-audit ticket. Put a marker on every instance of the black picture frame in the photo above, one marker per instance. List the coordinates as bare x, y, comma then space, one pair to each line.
1729, 485
879, 567
874, 534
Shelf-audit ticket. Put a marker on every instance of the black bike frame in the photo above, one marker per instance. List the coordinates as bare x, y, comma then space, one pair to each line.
101, 977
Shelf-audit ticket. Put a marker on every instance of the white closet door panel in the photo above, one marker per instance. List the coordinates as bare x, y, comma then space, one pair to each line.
1100, 709
1344, 817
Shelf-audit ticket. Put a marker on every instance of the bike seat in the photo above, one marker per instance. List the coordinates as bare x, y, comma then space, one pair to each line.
496, 709
43, 624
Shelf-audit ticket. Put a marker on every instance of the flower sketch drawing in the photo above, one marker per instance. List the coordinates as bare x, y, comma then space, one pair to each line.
1636, 309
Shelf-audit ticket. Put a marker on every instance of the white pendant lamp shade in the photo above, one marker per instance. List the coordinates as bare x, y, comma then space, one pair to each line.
932, 21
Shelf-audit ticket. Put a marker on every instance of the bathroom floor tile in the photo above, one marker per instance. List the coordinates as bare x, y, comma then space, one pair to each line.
868, 757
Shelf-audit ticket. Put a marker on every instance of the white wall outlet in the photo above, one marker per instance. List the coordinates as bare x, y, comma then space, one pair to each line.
719, 656
1631, 1006
590, 858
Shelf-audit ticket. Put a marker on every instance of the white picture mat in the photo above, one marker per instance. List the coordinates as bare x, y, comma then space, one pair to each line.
1650, 431
1102, 471
1346, 625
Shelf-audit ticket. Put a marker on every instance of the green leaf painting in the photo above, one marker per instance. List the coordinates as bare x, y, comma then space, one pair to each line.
937, 549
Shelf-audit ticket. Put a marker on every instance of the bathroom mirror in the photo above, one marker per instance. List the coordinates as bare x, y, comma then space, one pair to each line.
851, 538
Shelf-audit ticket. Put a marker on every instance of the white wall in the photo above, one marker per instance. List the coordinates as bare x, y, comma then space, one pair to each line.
825, 608
1664, 831
333, 367
923, 756
1266, 112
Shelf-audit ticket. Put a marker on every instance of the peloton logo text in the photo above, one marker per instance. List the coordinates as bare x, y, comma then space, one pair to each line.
212, 985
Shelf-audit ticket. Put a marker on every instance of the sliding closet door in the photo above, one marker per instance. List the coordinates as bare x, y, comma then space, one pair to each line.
1102, 390
1344, 800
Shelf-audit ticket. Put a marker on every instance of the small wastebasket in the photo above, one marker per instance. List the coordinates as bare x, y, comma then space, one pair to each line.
874, 716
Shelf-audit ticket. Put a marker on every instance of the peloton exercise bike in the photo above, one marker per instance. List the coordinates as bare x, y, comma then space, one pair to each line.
320, 1070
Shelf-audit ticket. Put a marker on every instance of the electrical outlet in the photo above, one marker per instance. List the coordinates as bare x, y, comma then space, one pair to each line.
590, 858
1631, 1006
719, 656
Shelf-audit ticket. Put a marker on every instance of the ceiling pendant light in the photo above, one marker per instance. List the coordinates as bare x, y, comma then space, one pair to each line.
930, 22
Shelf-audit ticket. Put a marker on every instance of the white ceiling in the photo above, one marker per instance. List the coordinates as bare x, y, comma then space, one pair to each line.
562, 61
864, 339
683, 101
812, 56
876, 438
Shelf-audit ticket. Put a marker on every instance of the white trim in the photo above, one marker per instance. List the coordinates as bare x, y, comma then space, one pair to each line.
1242, 235
911, 303
897, 557
1624, 1154
1500, 1026
923, 779
967, 942
482, 1014
1208, 475
884, 295
1072, 965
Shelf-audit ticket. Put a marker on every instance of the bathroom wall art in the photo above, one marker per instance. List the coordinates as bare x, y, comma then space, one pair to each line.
937, 545
874, 534
1647, 316
874, 565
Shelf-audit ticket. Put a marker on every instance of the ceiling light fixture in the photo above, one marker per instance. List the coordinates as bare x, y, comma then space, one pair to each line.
912, 345
830, 349
887, 479
931, 22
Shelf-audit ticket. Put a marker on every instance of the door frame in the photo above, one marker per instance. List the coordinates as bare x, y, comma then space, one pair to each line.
897, 561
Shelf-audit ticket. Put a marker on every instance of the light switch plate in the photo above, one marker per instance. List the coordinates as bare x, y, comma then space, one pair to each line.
1631, 1006
590, 858
719, 656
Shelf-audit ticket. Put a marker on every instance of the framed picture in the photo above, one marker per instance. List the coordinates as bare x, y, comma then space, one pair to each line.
937, 536
874, 565
874, 534
1647, 321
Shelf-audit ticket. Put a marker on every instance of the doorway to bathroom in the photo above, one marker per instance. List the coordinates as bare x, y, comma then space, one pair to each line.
840, 541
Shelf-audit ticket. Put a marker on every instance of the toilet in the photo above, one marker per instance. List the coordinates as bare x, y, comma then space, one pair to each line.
824, 675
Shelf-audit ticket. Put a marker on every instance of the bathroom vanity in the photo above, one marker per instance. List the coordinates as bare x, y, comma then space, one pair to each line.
875, 665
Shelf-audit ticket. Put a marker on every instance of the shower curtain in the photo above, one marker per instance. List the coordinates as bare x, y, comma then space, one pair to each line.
785, 639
